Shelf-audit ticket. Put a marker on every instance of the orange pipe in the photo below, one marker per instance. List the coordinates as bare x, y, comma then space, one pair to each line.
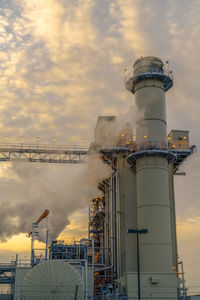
43, 216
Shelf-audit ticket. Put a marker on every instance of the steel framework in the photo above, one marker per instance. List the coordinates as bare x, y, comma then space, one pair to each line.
7, 273
42, 153
46, 153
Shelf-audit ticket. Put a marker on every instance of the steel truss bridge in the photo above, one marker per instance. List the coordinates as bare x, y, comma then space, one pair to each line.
42, 153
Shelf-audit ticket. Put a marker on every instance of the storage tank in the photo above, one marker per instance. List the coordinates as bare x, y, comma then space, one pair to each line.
54, 279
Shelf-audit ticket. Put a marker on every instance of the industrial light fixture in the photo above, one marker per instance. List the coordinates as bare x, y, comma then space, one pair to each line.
138, 231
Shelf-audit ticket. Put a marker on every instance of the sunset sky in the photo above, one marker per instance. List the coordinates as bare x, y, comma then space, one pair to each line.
62, 65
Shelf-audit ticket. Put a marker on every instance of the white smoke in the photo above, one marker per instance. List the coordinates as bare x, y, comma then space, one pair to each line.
62, 189
112, 132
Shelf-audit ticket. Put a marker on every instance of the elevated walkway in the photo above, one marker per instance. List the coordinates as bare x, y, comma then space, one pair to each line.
42, 153
7, 271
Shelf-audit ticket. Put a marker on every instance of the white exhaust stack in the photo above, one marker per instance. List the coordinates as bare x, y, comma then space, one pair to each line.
149, 83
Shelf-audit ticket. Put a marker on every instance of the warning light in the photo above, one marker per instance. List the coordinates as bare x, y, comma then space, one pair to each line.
145, 136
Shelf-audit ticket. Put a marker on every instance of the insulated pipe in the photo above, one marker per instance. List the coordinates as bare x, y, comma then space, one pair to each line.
118, 226
112, 227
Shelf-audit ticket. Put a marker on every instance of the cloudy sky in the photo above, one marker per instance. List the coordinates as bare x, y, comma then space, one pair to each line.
61, 65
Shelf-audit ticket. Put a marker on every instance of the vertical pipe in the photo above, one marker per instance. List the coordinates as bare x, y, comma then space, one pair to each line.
118, 227
93, 263
138, 265
173, 216
89, 222
86, 279
112, 225
47, 241
32, 244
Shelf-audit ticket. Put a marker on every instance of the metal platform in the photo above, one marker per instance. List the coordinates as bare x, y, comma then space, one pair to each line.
42, 153
133, 79
76, 154
175, 156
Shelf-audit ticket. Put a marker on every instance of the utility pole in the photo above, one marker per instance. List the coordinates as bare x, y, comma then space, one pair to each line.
138, 231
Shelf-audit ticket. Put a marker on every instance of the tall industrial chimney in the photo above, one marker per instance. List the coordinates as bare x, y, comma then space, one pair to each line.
149, 83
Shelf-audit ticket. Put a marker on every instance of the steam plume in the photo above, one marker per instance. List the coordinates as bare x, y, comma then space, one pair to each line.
62, 189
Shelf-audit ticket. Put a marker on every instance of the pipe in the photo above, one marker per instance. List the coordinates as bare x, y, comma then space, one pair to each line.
112, 229
43, 216
118, 226
86, 280
112, 223
90, 240
47, 241
89, 222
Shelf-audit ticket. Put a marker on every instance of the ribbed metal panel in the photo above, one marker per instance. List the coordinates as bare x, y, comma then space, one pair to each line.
53, 280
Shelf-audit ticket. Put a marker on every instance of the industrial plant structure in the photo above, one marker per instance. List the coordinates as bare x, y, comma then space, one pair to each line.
131, 248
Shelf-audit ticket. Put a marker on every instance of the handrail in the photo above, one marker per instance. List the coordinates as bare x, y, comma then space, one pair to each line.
130, 74
18, 146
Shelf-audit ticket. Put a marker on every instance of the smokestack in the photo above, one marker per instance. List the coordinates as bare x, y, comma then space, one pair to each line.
149, 83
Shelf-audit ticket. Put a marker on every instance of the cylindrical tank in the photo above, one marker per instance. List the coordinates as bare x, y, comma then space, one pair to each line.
154, 214
150, 105
149, 83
